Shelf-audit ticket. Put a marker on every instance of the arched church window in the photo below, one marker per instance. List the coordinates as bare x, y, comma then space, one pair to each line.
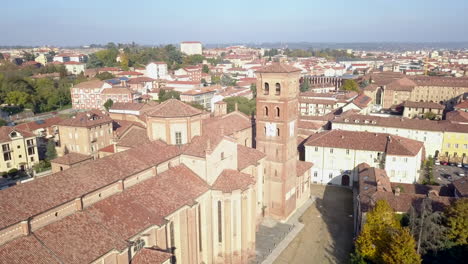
277, 111
278, 89
266, 89
266, 110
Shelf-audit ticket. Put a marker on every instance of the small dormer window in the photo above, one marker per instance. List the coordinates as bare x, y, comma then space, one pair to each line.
13, 134
346, 120
374, 122
366, 121
356, 121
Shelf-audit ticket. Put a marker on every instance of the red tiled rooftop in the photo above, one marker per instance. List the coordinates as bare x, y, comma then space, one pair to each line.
5, 132
230, 180
248, 156
302, 167
71, 158
173, 108
26, 250
151, 256
278, 68
87, 119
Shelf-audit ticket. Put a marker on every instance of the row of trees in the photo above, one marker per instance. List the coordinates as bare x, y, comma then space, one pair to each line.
421, 235
137, 56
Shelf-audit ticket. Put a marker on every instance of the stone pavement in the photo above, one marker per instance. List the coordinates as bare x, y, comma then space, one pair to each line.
273, 236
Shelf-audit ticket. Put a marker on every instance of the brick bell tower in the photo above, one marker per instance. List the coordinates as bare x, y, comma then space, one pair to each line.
276, 136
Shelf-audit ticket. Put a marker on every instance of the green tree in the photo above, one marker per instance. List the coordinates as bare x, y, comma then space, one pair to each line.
399, 247
108, 104
429, 172
457, 221
364, 84
18, 98
105, 76
244, 105
51, 152
304, 87
166, 95
205, 69
227, 81
350, 85
430, 115
2, 122
216, 79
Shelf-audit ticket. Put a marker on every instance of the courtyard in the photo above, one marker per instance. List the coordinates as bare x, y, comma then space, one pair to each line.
327, 236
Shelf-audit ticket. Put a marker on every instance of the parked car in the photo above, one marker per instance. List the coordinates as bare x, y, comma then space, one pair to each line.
465, 165
461, 174
444, 163
437, 163
459, 165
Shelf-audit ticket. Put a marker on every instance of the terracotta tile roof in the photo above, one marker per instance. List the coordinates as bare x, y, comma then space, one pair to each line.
87, 119
248, 156
403, 84
173, 108
128, 106
362, 101
122, 126
302, 167
201, 144
310, 125
382, 142
5, 132
440, 81
134, 137
78, 238
130, 212
109, 69
21, 201
231, 123
151, 256
457, 116
71, 158
108, 149
374, 185
462, 105
431, 105
93, 84
461, 185
26, 250
278, 68
230, 180
34, 125
368, 120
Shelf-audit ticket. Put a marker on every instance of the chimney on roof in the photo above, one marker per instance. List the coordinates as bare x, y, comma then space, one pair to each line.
389, 138
397, 191
379, 186
432, 193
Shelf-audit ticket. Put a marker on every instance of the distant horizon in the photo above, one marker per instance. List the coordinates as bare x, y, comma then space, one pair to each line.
59, 23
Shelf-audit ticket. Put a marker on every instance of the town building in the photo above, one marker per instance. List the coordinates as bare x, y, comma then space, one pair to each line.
69, 160
74, 67
157, 70
66, 57
19, 149
319, 104
336, 153
201, 96
191, 47
421, 109
85, 133
93, 94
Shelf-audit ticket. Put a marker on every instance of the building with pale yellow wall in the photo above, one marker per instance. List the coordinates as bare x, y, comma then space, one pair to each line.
19, 149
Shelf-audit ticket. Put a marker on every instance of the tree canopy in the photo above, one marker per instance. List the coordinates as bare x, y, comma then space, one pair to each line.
350, 85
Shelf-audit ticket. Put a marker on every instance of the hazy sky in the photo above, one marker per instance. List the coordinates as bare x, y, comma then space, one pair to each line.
62, 22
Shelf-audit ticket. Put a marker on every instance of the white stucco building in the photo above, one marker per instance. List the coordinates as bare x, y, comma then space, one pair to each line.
157, 70
191, 47
336, 153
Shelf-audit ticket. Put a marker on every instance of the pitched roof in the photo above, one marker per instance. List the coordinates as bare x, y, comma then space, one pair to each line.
78, 238
382, 142
5, 132
121, 126
462, 105
93, 84
26, 250
457, 116
302, 167
403, 84
87, 119
71, 158
230, 180
130, 211
278, 68
108, 149
21, 201
431, 105
362, 101
134, 137
173, 108
151, 256
117, 90
247, 156
231, 123
38, 124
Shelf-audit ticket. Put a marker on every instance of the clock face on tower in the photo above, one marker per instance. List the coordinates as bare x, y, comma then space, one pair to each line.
270, 129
